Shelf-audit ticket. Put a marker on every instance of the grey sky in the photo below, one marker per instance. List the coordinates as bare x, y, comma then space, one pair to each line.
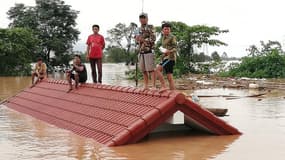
248, 21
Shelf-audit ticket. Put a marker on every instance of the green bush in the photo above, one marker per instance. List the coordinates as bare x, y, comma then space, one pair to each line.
269, 65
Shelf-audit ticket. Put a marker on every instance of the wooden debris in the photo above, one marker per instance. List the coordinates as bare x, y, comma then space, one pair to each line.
250, 96
218, 111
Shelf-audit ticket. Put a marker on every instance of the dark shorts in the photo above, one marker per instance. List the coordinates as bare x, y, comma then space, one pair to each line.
167, 66
81, 79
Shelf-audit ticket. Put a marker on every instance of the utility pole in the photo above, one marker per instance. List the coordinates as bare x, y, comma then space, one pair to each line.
142, 5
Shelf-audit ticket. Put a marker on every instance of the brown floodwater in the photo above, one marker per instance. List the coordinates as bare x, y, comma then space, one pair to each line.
261, 120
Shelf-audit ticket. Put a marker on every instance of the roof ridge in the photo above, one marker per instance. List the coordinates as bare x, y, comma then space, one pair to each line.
126, 89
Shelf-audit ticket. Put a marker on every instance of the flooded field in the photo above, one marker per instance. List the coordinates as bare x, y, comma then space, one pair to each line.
261, 120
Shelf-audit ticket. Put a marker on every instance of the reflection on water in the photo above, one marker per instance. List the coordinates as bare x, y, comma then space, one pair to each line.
262, 121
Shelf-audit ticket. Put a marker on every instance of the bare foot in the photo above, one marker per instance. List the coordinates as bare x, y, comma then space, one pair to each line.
70, 89
162, 90
143, 89
33, 85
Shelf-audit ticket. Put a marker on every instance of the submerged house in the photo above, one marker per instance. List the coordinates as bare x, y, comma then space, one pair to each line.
112, 115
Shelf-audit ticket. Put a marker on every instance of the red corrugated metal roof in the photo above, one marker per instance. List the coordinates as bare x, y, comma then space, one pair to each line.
112, 115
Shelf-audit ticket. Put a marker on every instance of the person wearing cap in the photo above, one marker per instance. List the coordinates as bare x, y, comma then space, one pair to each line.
95, 45
169, 51
146, 41
40, 71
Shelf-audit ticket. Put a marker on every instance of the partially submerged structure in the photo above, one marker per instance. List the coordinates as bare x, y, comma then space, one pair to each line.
112, 115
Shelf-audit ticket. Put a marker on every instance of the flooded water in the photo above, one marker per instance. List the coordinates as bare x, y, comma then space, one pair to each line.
261, 120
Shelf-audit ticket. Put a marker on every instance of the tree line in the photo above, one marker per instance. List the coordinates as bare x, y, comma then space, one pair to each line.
37, 31
49, 27
266, 61
121, 39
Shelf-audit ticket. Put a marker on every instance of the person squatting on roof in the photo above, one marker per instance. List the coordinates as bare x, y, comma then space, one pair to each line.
40, 71
77, 73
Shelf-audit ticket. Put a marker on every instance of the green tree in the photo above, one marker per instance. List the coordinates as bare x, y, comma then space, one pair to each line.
189, 37
265, 48
201, 57
269, 46
17, 47
61, 60
122, 36
253, 51
23, 16
198, 35
115, 55
224, 56
215, 56
52, 21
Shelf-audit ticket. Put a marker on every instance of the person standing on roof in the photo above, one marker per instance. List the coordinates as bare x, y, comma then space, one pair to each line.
95, 45
169, 50
146, 40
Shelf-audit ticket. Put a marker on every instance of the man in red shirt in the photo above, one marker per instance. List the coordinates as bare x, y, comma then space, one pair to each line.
95, 45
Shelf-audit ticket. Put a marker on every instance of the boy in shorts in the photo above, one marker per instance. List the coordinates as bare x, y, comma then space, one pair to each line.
169, 50
40, 72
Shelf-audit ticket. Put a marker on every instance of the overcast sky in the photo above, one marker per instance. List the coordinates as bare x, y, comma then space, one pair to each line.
248, 21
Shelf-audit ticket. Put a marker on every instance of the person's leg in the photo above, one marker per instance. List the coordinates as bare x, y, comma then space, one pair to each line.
37, 78
82, 79
76, 78
33, 77
99, 66
150, 61
171, 81
93, 69
68, 78
160, 77
141, 63
153, 78
145, 80
150, 67
169, 73
41, 76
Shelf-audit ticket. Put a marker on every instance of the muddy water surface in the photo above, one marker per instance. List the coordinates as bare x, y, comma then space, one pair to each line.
262, 121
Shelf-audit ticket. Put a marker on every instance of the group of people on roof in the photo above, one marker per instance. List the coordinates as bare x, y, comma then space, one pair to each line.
145, 38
